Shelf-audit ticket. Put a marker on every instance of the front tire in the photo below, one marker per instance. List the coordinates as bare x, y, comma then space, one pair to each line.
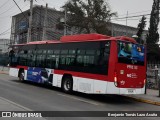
21, 76
67, 84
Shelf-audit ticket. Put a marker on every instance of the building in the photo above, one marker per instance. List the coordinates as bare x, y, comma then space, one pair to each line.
47, 25
4, 45
19, 26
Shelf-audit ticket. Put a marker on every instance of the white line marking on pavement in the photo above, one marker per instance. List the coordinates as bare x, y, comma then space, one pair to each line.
25, 108
86, 101
18, 105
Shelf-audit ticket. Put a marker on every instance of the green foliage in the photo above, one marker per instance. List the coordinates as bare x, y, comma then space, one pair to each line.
153, 51
141, 27
89, 15
153, 35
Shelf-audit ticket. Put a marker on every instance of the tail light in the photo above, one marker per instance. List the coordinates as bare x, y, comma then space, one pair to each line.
115, 79
144, 82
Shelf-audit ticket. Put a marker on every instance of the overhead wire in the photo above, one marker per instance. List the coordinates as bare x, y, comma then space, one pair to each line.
26, 5
11, 27
8, 9
135, 12
128, 19
4, 4
118, 19
131, 16
5, 33
15, 23
20, 9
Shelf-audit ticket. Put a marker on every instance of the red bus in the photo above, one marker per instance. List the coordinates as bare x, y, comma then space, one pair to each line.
87, 63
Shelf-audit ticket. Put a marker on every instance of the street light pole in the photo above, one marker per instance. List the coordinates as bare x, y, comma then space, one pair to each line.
126, 23
65, 20
30, 21
44, 37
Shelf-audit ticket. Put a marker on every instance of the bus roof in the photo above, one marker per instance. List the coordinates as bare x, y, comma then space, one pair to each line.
124, 38
82, 38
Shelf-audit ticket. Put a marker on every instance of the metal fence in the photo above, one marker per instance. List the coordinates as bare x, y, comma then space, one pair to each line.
153, 76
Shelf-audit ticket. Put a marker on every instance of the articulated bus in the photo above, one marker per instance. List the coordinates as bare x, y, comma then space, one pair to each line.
87, 63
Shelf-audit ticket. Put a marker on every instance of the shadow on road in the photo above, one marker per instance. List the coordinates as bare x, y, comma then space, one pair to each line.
105, 99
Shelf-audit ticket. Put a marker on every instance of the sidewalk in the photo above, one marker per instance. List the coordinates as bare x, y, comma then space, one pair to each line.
151, 97
4, 70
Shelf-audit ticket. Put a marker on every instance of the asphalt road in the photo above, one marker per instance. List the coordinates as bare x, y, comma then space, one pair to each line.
36, 97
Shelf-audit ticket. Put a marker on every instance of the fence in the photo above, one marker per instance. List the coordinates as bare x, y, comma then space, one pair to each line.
153, 76
4, 68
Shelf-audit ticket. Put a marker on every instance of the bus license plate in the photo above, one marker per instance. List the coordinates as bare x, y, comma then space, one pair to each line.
130, 91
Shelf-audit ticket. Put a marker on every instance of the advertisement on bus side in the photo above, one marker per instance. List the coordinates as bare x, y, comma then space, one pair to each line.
39, 75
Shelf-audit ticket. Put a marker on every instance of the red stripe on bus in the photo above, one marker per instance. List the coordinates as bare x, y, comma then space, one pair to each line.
83, 75
24, 67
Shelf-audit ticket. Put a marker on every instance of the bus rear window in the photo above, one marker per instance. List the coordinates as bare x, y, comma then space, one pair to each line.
131, 53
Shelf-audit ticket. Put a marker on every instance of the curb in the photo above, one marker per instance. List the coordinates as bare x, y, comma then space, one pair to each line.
3, 72
144, 100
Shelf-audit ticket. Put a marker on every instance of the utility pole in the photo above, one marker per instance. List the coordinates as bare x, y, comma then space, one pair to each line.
65, 20
30, 21
45, 23
112, 27
126, 23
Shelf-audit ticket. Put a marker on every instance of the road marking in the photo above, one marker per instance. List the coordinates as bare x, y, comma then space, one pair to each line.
25, 108
18, 105
12, 82
75, 98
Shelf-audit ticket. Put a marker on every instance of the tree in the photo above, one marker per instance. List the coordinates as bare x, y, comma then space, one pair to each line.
89, 15
141, 27
153, 35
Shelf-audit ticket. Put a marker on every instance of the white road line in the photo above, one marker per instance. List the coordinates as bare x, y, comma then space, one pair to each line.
9, 81
86, 101
18, 105
25, 108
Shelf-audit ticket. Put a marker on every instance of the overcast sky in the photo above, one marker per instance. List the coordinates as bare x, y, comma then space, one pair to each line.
134, 7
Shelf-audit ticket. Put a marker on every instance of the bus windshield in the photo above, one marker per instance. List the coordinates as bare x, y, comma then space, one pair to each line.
131, 53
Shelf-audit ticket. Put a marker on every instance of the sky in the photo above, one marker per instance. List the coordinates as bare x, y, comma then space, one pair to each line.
122, 7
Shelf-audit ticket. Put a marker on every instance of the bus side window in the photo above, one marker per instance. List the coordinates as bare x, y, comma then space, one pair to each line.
51, 61
104, 54
102, 58
41, 58
11, 57
22, 57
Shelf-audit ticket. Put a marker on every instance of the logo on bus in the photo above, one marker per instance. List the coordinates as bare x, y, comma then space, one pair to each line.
132, 75
122, 82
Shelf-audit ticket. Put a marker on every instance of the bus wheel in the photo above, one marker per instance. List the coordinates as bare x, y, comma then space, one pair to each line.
67, 84
21, 76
